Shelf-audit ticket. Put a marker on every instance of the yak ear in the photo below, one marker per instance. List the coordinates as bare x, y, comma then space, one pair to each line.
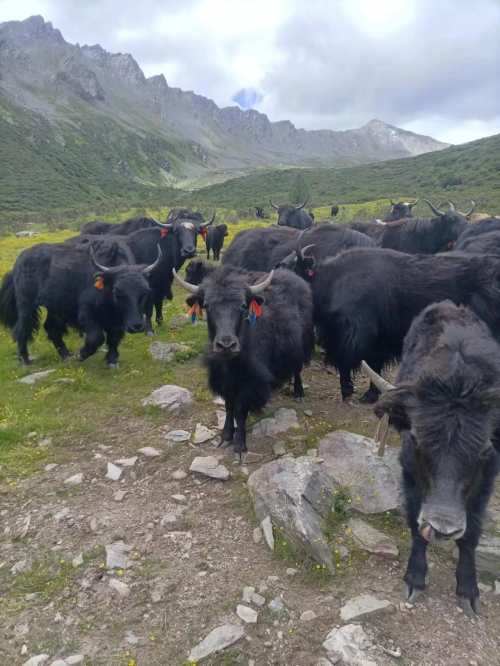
257, 298
395, 403
195, 298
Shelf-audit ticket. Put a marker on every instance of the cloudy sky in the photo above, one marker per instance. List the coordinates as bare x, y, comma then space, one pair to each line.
430, 66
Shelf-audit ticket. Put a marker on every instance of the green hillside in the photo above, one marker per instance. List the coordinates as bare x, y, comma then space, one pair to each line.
460, 173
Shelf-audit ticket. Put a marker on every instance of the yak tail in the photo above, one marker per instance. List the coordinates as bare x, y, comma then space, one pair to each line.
8, 305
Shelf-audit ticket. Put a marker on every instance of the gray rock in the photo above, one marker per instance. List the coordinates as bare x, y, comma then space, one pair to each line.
59, 662
37, 661
371, 540
179, 321
218, 639
312, 453
31, 596
122, 589
279, 449
247, 594
488, 554
267, 529
180, 499
164, 351
75, 659
365, 606
348, 644
116, 555
113, 472
257, 535
283, 420
77, 561
178, 475
20, 631
120, 495
74, 480
209, 466
251, 457
34, 377
291, 572
258, 599
64, 380
308, 616
19, 567
178, 436
297, 496
276, 605
484, 588
172, 399
149, 452
248, 615
50, 467
221, 418
308, 412
343, 552
126, 462
130, 637
26, 234
350, 458
168, 519
202, 434
497, 588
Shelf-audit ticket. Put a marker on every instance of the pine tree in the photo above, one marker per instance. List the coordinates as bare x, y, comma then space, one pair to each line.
299, 191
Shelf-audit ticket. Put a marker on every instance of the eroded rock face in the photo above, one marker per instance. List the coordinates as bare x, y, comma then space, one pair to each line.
350, 458
296, 495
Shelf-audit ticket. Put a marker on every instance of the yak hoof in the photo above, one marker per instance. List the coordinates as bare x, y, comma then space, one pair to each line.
238, 457
412, 594
369, 398
150, 333
79, 357
225, 444
469, 606
113, 366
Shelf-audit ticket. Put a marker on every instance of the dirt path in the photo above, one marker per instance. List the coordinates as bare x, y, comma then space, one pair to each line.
189, 562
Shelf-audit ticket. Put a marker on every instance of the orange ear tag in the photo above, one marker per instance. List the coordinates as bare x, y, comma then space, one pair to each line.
99, 284
164, 232
204, 233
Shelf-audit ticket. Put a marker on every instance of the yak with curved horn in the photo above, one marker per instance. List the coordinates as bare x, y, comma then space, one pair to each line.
446, 407
293, 216
260, 330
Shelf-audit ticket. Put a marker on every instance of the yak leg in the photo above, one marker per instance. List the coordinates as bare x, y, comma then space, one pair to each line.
148, 315
55, 331
416, 570
159, 310
346, 383
113, 339
240, 438
26, 324
298, 389
94, 338
208, 253
228, 429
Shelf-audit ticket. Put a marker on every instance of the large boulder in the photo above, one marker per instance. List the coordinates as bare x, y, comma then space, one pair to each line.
171, 399
487, 554
297, 495
352, 459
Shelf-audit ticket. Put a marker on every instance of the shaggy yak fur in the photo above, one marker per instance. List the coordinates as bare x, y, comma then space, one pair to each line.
446, 404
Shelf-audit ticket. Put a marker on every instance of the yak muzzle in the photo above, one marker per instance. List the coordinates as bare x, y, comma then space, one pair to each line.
188, 252
441, 528
227, 344
136, 328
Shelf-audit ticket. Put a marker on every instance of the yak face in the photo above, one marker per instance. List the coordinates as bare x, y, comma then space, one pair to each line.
447, 419
303, 266
125, 290
291, 216
449, 228
399, 211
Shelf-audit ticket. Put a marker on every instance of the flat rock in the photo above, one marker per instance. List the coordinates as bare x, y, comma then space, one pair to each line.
218, 639
209, 466
291, 571
59, 662
371, 540
257, 535
348, 644
120, 495
297, 495
172, 399
365, 606
64, 380
484, 588
279, 449
34, 377
113, 472
178, 475
497, 588
308, 616
487, 554
75, 659
36, 661
122, 589
130, 637
179, 321
20, 631
248, 615
126, 462
19, 567
50, 467
247, 594
283, 420
178, 436
251, 457
267, 529
116, 555
164, 351
202, 434
257, 599
149, 452
180, 499
74, 480
350, 458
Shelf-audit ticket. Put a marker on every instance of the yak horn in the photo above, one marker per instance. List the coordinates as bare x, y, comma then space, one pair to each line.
257, 288
192, 288
433, 208
298, 248
379, 382
163, 225
392, 202
204, 211
99, 267
452, 207
151, 268
300, 206
471, 210
414, 203
210, 221
273, 205
307, 247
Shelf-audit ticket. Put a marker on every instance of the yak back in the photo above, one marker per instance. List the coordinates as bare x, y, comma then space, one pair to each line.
132, 225
423, 235
96, 228
108, 251
483, 244
474, 230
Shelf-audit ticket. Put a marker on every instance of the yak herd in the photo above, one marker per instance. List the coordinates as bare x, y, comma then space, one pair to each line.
421, 291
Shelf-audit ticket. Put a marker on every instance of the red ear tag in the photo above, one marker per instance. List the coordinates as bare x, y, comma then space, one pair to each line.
99, 284
310, 272
164, 232
204, 233
195, 310
449, 245
255, 311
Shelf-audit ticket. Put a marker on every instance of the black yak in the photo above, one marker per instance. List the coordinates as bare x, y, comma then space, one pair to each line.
293, 216
483, 244
120, 229
485, 226
261, 334
102, 302
215, 240
260, 212
446, 404
185, 214
334, 210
